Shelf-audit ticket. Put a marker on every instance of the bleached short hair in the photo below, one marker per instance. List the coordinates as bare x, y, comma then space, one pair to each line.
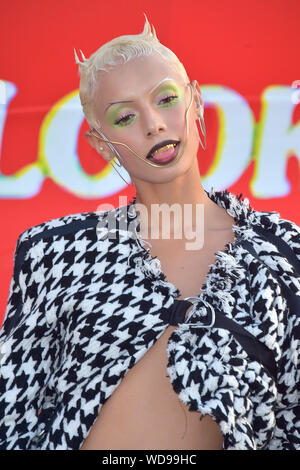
118, 50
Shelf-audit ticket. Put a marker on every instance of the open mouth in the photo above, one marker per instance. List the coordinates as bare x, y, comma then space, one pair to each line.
164, 152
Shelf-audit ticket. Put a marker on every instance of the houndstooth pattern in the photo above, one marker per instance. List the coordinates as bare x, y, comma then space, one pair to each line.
83, 310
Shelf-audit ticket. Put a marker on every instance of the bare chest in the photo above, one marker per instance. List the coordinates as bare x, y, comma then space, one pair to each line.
144, 412
187, 269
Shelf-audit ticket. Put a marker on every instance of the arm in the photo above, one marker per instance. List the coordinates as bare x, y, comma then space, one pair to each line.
16, 293
289, 232
287, 435
25, 358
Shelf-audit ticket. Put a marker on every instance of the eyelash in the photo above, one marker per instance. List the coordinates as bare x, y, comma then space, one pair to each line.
123, 121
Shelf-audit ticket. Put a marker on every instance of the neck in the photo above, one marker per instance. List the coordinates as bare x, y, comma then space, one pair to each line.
187, 190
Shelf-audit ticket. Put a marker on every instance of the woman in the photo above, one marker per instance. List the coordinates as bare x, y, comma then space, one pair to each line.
131, 341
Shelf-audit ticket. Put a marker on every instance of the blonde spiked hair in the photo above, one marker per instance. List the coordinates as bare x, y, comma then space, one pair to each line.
118, 50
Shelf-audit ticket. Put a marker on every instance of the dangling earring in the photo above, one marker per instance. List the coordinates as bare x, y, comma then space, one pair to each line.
202, 127
200, 118
119, 165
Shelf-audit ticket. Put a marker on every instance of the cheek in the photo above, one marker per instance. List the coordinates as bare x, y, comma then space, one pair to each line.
177, 119
192, 131
133, 142
134, 137
122, 138
136, 145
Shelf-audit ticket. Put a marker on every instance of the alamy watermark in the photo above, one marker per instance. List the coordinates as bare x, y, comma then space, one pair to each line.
167, 222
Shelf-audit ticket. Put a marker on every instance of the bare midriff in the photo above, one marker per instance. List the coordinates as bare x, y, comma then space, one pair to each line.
144, 412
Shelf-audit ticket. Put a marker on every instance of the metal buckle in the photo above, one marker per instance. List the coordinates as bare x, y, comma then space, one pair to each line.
213, 315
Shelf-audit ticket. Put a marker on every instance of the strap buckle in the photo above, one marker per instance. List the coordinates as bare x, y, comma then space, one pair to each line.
211, 309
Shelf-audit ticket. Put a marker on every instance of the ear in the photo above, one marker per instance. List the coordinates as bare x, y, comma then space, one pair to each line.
100, 147
198, 98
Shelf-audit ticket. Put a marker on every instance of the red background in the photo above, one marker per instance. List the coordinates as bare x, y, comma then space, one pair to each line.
246, 46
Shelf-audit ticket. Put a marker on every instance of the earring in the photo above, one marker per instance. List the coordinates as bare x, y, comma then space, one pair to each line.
202, 127
118, 159
128, 184
200, 118
119, 165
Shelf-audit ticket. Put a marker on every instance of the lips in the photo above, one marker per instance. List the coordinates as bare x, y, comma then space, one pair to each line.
160, 145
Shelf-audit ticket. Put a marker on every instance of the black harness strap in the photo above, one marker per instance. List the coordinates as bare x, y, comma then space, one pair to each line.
292, 299
282, 246
254, 348
178, 310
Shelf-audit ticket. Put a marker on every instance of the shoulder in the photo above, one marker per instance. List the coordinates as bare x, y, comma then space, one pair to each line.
278, 225
68, 224
59, 235
277, 230
289, 231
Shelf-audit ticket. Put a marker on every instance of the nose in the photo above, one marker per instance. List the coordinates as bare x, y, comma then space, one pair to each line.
154, 123
156, 129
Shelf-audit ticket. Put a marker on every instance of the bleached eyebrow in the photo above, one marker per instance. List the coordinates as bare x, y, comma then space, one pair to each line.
159, 83
149, 92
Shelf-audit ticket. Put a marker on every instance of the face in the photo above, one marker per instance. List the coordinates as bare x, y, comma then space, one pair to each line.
142, 104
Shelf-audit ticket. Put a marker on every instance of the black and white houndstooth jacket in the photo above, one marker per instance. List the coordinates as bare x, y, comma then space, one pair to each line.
84, 309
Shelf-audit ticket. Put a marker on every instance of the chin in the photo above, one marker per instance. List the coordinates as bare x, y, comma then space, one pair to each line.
164, 174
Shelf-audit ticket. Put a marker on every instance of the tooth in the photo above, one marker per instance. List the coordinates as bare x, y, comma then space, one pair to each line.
162, 149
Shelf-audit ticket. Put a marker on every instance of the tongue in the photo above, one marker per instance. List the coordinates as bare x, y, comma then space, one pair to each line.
162, 157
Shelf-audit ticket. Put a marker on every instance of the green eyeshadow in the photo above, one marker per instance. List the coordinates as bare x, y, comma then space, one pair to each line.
116, 112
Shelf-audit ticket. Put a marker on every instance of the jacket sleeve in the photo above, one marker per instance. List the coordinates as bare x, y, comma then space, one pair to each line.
25, 359
290, 233
14, 303
287, 432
